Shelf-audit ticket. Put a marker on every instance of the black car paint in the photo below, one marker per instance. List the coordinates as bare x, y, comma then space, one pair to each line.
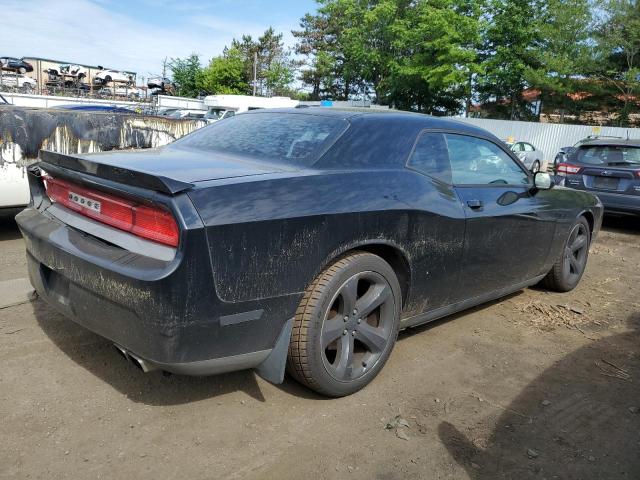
16, 64
250, 244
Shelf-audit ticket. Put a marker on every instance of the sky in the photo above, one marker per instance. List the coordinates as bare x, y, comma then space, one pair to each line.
136, 35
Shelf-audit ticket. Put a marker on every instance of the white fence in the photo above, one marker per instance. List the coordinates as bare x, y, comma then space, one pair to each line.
547, 137
50, 101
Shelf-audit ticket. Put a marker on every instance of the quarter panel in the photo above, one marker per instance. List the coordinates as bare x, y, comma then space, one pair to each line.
271, 237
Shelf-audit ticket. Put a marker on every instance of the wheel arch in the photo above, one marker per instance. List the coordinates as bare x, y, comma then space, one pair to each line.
389, 251
588, 215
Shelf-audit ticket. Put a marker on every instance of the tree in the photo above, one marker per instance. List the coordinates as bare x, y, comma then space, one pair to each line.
318, 42
434, 57
618, 53
563, 54
225, 74
412, 54
511, 40
272, 62
185, 73
278, 76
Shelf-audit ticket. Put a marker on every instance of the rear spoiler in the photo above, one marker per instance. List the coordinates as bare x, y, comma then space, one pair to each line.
116, 174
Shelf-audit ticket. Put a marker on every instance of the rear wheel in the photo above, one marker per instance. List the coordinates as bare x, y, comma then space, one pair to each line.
570, 265
345, 326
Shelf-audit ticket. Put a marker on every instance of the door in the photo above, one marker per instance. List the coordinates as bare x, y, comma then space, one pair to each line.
509, 229
437, 224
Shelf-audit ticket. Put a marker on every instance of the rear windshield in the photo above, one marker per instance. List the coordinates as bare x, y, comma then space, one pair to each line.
294, 138
608, 155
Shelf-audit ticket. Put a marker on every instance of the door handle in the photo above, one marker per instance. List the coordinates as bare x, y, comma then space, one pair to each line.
475, 204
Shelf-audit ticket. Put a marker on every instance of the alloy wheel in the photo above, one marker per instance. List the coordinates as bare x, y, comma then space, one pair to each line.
575, 254
358, 326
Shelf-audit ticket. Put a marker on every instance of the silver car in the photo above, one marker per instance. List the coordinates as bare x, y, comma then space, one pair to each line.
528, 154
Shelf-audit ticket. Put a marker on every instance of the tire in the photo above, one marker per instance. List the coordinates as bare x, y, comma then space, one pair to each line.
22, 70
107, 79
355, 348
570, 265
535, 168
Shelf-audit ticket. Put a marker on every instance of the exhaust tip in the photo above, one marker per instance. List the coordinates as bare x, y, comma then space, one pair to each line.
140, 363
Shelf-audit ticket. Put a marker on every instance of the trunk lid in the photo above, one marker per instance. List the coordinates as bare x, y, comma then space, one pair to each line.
167, 170
608, 178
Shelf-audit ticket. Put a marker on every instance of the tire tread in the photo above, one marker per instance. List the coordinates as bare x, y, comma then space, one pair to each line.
298, 357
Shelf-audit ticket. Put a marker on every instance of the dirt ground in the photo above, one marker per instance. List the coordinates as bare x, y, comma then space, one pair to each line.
539, 385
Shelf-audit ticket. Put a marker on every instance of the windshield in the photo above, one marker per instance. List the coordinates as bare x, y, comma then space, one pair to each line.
608, 155
215, 113
295, 138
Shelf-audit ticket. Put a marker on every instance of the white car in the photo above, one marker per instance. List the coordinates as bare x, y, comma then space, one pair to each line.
106, 76
225, 106
129, 91
76, 71
16, 80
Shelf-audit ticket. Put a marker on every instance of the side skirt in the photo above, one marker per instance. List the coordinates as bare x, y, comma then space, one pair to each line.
432, 315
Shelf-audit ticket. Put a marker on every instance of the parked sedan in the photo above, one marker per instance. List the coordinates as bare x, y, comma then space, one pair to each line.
528, 154
15, 64
304, 238
609, 168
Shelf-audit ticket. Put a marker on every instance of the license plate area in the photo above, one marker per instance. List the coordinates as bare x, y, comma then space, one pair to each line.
607, 183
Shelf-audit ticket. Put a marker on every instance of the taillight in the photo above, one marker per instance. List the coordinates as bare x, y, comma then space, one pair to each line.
146, 221
567, 168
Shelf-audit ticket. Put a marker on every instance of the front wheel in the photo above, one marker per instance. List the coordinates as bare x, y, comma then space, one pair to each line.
570, 265
346, 325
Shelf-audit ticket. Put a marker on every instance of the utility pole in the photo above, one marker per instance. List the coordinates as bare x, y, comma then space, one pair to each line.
255, 72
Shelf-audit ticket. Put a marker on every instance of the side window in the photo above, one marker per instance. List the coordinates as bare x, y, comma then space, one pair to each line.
431, 157
517, 147
528, 147
475, 161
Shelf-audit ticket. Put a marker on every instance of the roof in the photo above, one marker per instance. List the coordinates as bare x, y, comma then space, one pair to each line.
372, 114
610, 142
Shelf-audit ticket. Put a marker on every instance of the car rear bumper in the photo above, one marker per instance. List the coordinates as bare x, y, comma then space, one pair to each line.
620, 203
166, 315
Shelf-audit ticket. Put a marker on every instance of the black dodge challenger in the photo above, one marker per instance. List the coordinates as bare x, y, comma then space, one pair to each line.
298, 239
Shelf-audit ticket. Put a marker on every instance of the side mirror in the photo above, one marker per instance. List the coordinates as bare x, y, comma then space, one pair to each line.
543, 181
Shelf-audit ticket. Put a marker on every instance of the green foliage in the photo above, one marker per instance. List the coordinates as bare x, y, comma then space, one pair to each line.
439, 56
225, 75
617, 56
185, 73
274, 68
417, 55
511, 39
563, 55
233, 71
